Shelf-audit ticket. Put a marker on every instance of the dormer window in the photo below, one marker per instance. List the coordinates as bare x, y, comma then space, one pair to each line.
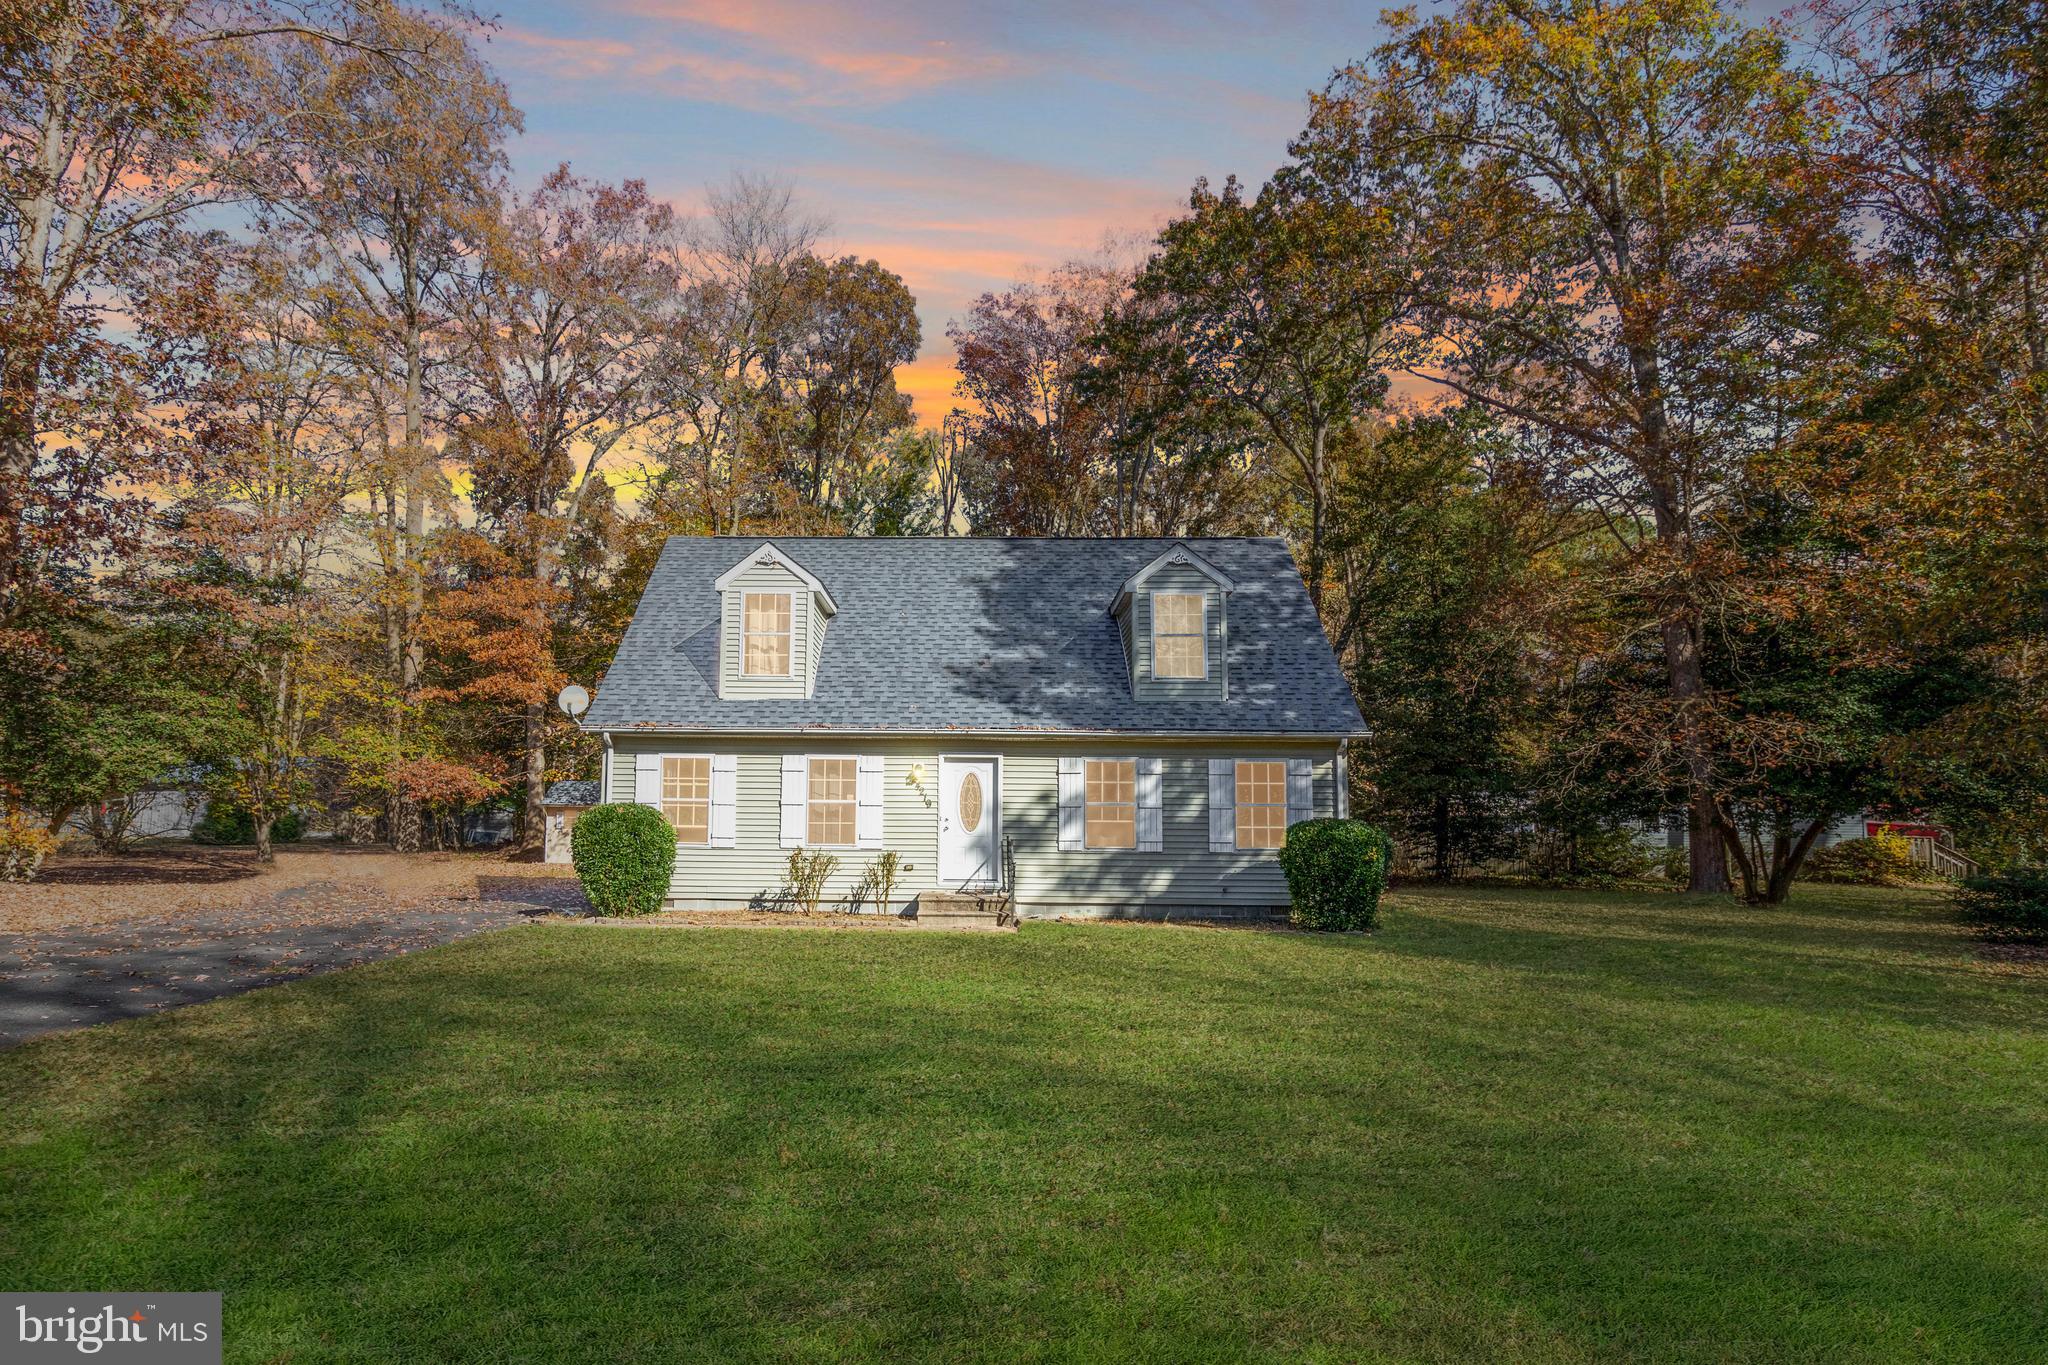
772, 615
1179, 635
1173, 619
765, 651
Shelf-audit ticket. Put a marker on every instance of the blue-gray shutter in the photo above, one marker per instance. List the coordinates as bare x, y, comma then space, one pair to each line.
1073, 814
1150, 833
868, 812
1301, 789
1222, 805
725, 782
796, 786
647, 780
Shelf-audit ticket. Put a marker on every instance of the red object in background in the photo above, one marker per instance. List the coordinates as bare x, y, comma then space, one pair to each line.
1910, 831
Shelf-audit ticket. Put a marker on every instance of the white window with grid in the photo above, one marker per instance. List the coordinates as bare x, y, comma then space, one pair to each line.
765, 639
1110, 803
1180, 622
833, 803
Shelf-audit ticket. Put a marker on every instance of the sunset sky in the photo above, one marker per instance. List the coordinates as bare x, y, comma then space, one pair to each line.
958, 144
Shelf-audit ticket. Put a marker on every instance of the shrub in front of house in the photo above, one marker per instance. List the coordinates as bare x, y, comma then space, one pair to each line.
1336, 870
2007, 905
1883, 859
624, 856
803, 881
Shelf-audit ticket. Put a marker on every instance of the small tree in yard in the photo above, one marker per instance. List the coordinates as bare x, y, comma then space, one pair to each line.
1336, 870
804, 880
624, 856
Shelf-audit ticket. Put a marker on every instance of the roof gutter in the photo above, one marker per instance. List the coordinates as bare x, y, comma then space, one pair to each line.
968, 732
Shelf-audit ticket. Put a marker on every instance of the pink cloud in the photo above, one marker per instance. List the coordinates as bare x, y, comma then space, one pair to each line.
847, 54
657, 69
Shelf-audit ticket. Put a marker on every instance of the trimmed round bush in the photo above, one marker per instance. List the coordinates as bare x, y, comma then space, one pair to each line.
1336, 870
2007, 905
624, 855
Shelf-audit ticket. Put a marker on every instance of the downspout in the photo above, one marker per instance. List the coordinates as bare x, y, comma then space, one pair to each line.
1344, 778
604, 787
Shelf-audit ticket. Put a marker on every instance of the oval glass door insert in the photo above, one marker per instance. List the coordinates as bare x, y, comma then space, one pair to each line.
970, 802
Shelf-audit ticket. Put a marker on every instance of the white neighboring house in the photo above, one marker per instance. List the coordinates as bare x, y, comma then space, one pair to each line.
167, 812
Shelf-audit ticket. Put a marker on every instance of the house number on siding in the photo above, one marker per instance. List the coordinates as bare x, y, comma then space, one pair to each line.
970, 802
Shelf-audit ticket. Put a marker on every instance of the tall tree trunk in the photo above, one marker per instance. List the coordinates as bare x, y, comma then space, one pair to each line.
1441, 829
1686, 675
1318, 518
532, 826
265, 853
21, 366
405, 821
1786, 865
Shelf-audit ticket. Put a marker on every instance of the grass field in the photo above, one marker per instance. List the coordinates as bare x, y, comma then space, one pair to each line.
1511, 1126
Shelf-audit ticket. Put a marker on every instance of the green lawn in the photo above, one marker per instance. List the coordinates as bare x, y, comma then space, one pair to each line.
1511, 1126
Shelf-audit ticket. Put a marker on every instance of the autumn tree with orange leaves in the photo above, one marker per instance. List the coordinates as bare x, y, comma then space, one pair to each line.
567, 328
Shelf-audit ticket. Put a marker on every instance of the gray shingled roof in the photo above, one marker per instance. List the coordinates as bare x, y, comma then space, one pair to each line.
570, 793
976, 634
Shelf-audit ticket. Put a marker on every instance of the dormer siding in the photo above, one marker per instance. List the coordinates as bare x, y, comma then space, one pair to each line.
1136, 625
807, 627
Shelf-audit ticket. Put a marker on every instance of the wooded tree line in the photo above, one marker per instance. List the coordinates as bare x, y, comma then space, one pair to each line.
1657, 403
310, 418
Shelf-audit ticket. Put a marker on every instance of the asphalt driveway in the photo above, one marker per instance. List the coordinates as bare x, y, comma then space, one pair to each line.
67, 978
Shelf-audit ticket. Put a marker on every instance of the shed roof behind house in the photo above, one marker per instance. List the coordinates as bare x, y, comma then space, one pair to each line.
977, 634
570, 793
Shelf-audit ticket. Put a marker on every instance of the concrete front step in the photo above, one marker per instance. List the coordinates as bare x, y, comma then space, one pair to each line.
987, 911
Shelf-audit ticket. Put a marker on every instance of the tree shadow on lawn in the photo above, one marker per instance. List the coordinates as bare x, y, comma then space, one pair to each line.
561, 1147
1901, 959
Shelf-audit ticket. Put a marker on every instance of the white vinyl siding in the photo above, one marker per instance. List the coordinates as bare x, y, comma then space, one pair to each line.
1185, 875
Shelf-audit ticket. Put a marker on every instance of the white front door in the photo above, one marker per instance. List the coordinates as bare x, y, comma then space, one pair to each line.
968, 816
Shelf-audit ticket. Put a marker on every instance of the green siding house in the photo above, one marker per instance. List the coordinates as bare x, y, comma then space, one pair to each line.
1094, 727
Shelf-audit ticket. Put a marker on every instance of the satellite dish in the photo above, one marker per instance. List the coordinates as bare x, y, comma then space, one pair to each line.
573, 700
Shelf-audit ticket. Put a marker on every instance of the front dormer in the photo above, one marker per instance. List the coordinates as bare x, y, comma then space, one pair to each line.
1173, 615
773, 614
